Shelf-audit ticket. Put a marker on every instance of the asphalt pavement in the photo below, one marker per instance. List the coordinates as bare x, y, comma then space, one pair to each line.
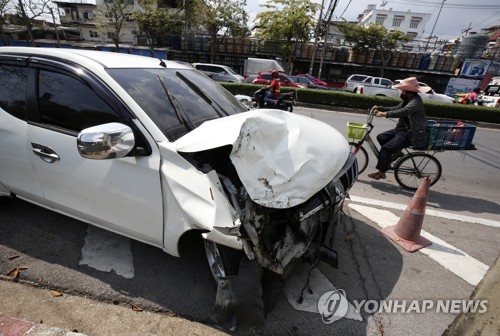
27, 310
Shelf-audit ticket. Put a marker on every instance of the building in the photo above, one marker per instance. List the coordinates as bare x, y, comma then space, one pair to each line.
411, 23
85, 18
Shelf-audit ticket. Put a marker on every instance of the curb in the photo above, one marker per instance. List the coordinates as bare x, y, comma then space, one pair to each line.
10, 326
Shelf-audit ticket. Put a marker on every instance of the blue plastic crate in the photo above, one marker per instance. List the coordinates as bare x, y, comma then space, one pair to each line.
450, 135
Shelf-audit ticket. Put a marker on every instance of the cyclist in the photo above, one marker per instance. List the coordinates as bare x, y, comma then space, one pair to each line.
410, 129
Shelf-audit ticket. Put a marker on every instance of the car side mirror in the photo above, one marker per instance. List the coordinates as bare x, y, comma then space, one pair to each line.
107, 141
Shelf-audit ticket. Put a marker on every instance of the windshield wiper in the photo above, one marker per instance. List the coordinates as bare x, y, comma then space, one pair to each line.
220, 111
179, 111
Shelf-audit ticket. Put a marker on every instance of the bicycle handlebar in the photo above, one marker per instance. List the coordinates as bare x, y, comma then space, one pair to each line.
371, 114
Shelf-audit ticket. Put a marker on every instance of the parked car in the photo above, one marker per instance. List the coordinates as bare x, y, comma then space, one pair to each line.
154, 150
353, 81
307, 82
374, 86
219, 73
491, 93
265, 78
431, 95
313, 79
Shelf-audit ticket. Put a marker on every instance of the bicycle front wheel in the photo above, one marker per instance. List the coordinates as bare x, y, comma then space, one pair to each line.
361, 156
412, 168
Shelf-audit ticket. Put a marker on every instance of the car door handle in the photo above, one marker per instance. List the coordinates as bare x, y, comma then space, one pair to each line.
47, 154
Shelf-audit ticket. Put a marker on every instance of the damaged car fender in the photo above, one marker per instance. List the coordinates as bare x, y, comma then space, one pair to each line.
199, 201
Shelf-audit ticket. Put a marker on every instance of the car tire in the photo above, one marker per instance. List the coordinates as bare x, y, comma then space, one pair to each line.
222, 261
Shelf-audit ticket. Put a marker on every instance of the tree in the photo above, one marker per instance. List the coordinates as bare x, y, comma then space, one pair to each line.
290, 20
29, 11
227, 15
115, 14
3, 12
374, 36
155, 19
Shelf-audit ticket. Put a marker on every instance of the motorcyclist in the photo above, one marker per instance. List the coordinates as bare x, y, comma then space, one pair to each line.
272, 95
472, 97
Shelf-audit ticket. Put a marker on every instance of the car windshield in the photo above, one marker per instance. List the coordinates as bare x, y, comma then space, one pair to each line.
177, 100
231, 71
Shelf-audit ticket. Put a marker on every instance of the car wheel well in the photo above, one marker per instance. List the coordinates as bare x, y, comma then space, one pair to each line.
188, 239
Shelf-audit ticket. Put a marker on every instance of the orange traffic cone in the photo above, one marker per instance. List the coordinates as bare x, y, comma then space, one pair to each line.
406, 232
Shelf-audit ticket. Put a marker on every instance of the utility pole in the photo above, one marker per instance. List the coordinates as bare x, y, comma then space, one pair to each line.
435, 22
316, 37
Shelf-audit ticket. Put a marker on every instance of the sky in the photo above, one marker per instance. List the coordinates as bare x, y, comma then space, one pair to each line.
455, 17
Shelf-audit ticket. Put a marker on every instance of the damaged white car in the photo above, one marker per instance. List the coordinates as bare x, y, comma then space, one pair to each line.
152, 149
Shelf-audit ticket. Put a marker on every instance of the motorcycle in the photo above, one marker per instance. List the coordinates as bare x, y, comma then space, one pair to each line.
284, 102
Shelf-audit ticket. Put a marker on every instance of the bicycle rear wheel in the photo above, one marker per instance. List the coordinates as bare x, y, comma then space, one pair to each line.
412, 168
361, 156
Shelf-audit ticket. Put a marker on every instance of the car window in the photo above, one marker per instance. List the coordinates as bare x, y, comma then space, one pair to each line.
13, 84
385, 82
67, 102
358, 78
167, 95
376, 81
266, 77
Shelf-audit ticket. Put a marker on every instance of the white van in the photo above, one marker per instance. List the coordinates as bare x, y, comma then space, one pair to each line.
219, 73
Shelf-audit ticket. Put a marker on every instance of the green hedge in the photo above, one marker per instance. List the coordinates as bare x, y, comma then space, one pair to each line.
346, 99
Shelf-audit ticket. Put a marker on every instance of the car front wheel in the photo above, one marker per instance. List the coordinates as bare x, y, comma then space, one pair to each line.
223, 261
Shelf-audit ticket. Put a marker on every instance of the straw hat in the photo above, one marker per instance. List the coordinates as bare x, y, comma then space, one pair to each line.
411, 84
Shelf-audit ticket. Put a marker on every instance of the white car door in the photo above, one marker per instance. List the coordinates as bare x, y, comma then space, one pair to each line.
16, 172
121, 195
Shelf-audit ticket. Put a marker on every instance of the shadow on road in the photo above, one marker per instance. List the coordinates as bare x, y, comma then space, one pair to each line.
50, 246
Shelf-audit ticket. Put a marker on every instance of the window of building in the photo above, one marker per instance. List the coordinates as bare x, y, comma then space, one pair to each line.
110, 35
411, 35
93, 33
380, 18
415, 21
396, 22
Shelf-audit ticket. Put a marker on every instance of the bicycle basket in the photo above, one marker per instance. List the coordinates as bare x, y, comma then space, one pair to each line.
450, 135
356, 130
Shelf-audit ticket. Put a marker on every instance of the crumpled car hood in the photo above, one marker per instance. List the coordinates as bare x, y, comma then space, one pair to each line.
282, 159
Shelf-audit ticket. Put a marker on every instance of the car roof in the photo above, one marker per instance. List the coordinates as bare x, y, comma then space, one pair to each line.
104, 58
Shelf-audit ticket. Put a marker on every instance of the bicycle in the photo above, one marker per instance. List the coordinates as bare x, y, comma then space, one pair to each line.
411, 165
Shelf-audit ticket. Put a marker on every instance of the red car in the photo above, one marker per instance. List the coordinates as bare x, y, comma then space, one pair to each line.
313, 79
265, 78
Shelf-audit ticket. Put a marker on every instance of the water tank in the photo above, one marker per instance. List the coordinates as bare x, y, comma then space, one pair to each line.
362, 56
434, 58
417, 60
371, 55
402, 59
197, 43
342, 54
440, 63
448, 61
353, 56
395, 58
424, 62
410, 59
472, 46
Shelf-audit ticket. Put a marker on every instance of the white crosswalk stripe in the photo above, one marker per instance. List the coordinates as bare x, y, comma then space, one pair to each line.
451, 258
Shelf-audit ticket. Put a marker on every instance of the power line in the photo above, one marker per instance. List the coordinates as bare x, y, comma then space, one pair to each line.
345, 9
448, 5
